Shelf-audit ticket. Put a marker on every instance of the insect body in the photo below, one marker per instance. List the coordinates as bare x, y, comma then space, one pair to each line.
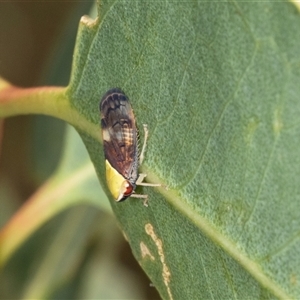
120, 139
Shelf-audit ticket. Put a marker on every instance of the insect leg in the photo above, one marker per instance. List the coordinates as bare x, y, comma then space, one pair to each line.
141, 178
142, 155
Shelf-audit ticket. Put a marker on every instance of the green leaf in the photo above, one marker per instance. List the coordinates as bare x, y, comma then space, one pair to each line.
218, 84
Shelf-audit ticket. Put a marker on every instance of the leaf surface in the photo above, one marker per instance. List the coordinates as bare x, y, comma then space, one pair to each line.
217, 85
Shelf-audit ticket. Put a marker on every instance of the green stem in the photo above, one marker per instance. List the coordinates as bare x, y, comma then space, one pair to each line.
49, 100
40, 100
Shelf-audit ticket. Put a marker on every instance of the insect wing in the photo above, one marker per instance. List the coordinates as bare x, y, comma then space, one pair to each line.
119, 134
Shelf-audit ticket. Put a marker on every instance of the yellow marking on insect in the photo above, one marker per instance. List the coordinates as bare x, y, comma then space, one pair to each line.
117, 184
120, 140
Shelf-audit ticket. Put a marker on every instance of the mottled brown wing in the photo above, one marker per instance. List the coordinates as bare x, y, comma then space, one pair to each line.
119, 133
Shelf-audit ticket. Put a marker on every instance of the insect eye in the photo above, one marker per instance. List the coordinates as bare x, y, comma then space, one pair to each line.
128, 189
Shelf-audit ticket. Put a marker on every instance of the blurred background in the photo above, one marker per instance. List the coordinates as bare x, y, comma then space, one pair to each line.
80, 253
